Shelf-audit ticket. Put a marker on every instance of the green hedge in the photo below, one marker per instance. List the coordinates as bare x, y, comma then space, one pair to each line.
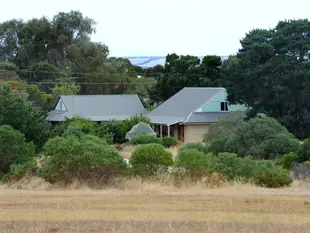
169, 142
150, 159
195, 145
288, 160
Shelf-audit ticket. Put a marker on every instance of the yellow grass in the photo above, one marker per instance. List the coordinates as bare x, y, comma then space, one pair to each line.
136, 206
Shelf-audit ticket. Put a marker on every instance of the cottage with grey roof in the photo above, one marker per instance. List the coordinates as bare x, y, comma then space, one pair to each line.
97, 107
188, 114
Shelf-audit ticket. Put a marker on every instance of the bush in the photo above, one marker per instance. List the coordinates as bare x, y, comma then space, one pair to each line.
169, 141
18, 171
84, 158
232, 167
146, 139
196, 162
74, 126
267, 174
288, 160
23, 116
114, 128
150, 159
304, 151
13, 148
194, 145
262, 138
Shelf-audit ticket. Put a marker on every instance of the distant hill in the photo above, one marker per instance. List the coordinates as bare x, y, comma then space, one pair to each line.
151, 61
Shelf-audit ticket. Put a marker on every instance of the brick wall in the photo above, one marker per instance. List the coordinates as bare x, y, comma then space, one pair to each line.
195, 133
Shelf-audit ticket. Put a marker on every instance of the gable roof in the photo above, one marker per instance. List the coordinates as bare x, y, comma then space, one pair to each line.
99, 107
180, 106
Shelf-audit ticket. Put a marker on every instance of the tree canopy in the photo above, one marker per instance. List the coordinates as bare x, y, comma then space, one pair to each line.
271, 73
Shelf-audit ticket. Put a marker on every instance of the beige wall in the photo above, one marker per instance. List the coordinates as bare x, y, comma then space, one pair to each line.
195, 133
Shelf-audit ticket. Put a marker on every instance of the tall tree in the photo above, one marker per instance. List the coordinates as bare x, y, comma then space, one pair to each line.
187, 71
271, 74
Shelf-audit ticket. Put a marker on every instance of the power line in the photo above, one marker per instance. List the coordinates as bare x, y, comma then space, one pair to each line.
77, 73
87, 83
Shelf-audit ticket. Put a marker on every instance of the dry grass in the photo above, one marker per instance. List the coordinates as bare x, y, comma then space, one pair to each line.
136, 206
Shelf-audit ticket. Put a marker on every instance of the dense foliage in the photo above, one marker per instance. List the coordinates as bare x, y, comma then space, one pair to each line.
304, 151
23, 116
196, 162
289, 159
169, 141
86, 158
194, 145
271, 74
261, 138
146, 139
263, 173
13, 148
150, 159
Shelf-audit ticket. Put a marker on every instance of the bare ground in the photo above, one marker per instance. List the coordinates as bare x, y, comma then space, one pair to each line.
135, 206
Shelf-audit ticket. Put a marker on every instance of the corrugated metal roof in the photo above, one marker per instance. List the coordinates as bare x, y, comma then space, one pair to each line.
205, 117
99, 107
183, 103
166, 120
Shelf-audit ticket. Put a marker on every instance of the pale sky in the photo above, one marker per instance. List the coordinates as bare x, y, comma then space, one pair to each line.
159, 27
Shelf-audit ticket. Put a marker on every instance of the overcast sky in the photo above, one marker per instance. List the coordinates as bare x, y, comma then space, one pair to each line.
159, 27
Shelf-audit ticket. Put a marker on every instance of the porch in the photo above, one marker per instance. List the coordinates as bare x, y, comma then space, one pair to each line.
175, 130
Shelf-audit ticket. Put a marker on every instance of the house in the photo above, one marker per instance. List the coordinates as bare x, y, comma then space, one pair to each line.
188, 114
97, 107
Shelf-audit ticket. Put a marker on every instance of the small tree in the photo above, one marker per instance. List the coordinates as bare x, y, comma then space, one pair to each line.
113, 127
74, 125
87, 158
288, 160
150, 159
262, 138
304, 151
169, 141
13, 148
196, 162
194, 145
23, 116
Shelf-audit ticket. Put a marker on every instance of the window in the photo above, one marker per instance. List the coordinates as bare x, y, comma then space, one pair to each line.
224, 106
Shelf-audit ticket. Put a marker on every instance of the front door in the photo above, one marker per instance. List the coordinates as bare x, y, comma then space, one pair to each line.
181, 133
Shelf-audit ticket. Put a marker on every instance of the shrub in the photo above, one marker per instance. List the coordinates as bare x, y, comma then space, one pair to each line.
288, 160
85, 158
18, 171
232, 167
146, 139
75, 125
114, 128
150, 159
269, 175
304, 151
196, 162
169, 141
263, 173
262, 138
23, 116
194, 145
13, 148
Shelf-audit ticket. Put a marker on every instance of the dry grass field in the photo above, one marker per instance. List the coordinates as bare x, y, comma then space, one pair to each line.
152, 207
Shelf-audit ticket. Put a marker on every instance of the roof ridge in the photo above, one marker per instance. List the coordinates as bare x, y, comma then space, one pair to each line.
204, 88
99, 95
